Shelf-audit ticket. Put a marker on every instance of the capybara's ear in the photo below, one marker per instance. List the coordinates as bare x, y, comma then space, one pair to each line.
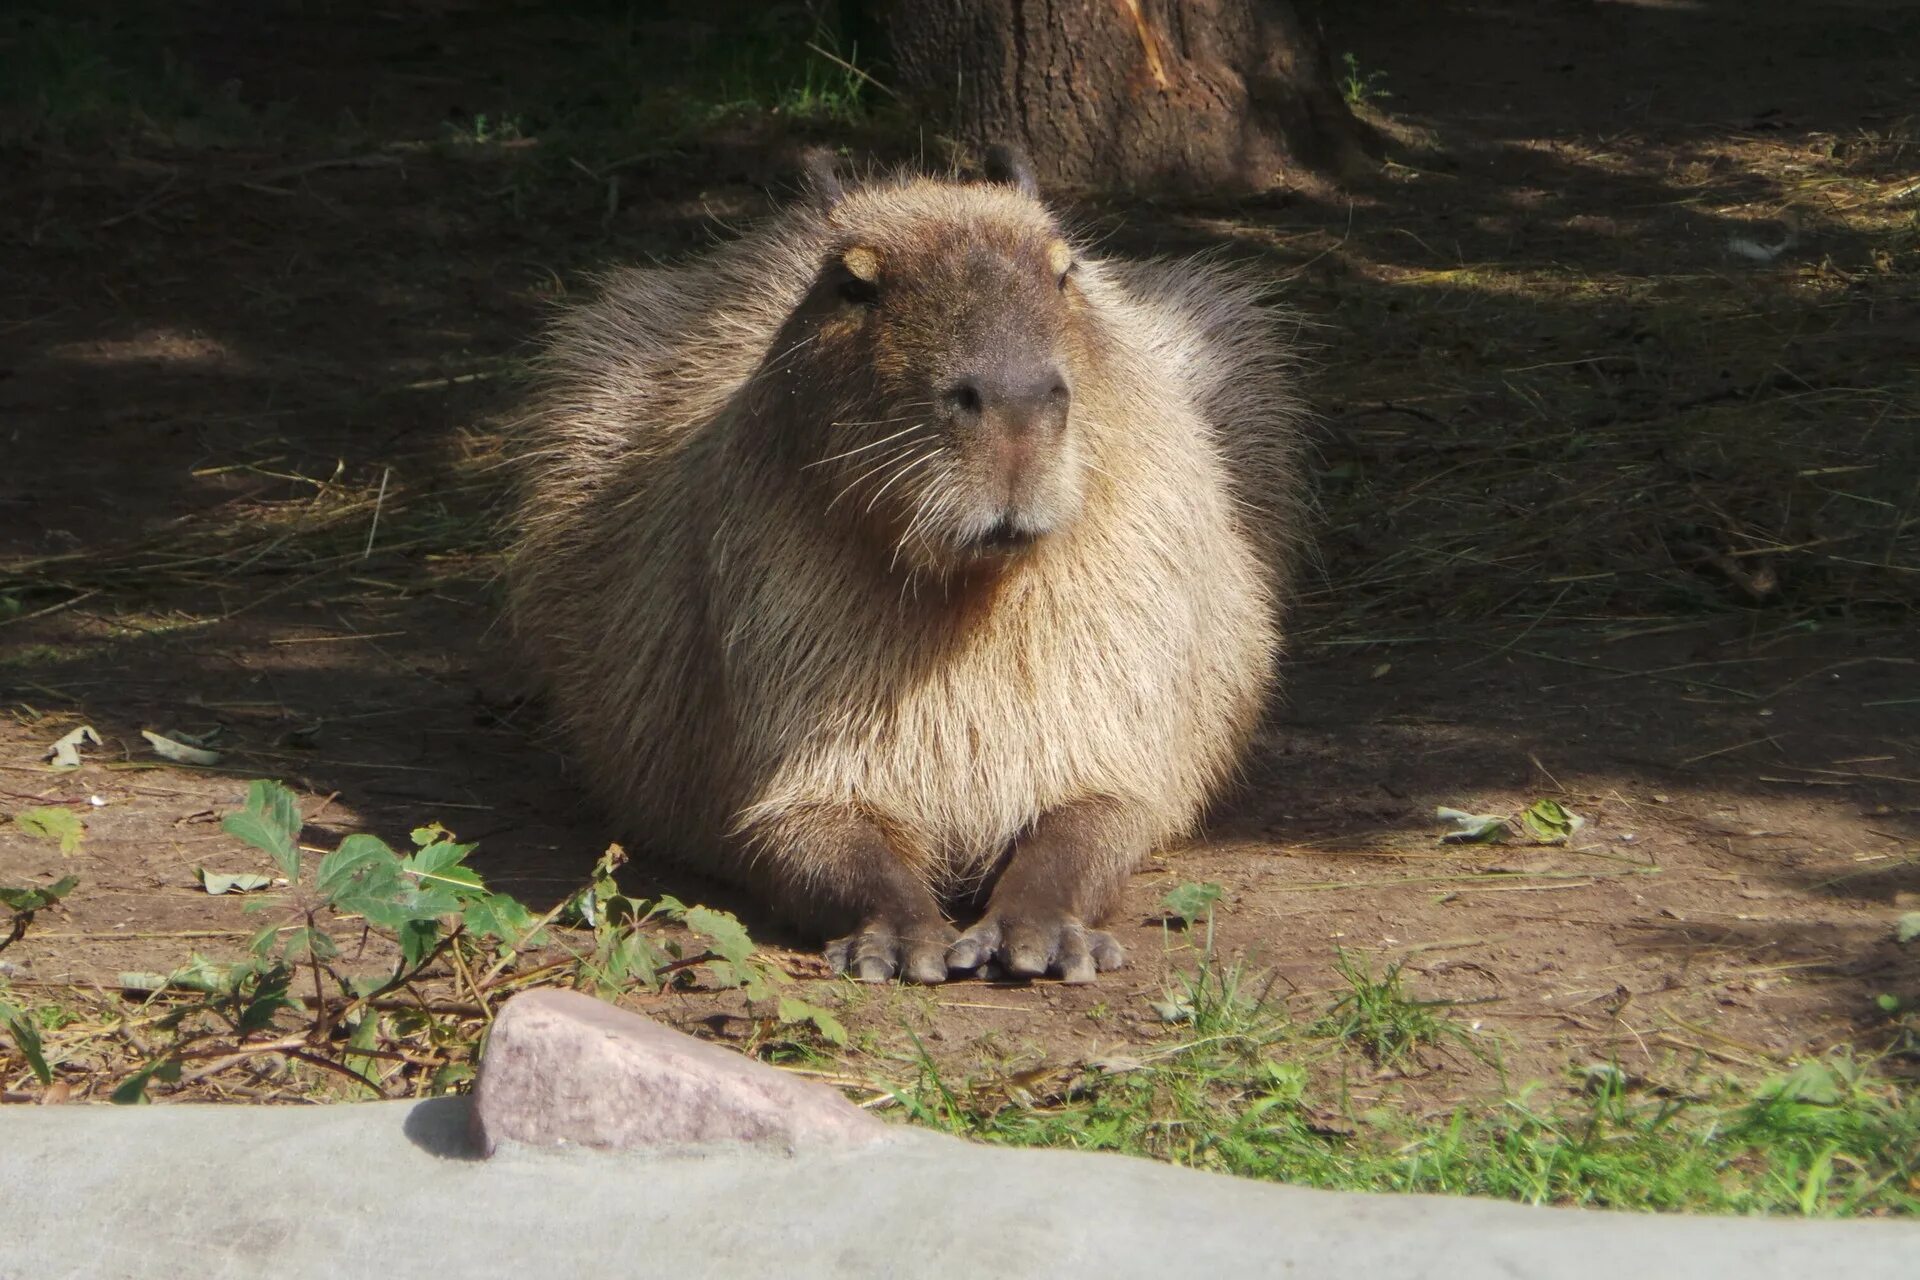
821, 170
1009, 166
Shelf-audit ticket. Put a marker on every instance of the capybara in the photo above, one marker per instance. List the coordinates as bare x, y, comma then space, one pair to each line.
906, 555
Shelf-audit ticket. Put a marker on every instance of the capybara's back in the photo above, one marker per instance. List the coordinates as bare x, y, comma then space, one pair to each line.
903, 550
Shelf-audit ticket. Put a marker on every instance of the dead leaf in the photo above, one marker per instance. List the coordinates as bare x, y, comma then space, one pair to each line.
65, 754
179, 752
216, 883
1471, 828
142, 982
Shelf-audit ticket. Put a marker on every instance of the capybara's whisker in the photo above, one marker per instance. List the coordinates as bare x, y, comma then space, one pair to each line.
896, 477
886, 460
861, 449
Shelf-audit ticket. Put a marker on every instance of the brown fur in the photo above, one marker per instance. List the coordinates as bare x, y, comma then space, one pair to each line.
760, 581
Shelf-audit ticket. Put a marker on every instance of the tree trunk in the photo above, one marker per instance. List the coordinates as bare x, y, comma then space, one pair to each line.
1131, 94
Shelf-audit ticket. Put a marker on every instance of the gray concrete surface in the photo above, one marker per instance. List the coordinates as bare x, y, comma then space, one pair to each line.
394, 1189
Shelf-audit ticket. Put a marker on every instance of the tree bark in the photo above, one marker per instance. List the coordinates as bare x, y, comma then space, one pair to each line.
1130, 94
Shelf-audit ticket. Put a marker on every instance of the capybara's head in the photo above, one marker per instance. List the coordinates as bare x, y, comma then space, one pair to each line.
932, 368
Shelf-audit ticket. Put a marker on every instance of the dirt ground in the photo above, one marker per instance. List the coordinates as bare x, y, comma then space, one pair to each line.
1615, 512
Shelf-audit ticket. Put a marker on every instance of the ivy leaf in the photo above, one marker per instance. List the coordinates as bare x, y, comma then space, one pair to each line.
1907, 927
1190, 901
432, 833
269, 998
495, 915
831, 1029
1550, 822
358, 857
134, 1088
629, 956
366, 1035
723, 931
25, 900
450, 1077
727, 938
364, 877
304, 943
442, 862
271, 823
53, 823
418, 938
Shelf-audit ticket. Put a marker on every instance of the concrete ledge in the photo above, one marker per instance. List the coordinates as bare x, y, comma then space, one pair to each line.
397, 1189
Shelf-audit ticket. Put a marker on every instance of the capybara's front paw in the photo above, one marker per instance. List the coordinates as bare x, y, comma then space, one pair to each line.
915, 950
1035, 946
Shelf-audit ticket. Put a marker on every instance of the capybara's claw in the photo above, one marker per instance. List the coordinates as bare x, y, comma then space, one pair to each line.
881, 951
1037, 947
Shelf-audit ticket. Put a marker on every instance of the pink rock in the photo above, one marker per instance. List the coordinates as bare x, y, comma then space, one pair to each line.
564, 1068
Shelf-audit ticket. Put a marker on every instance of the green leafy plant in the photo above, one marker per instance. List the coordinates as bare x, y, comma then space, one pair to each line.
1190, 901
485, 130
20, 1024
453, 947
24, 1029
626, 952
23, 903
1359, 88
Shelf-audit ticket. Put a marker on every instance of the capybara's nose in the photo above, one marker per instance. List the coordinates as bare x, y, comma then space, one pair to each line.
1016, 399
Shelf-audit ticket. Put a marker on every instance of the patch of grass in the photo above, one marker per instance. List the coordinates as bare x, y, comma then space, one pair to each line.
1361, 89
485, 130
1377, 1016
1236, 1093
782, 61
647, 82
1735, 1150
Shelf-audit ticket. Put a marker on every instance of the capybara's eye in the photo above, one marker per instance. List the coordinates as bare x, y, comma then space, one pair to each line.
864, 293
1060, 261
